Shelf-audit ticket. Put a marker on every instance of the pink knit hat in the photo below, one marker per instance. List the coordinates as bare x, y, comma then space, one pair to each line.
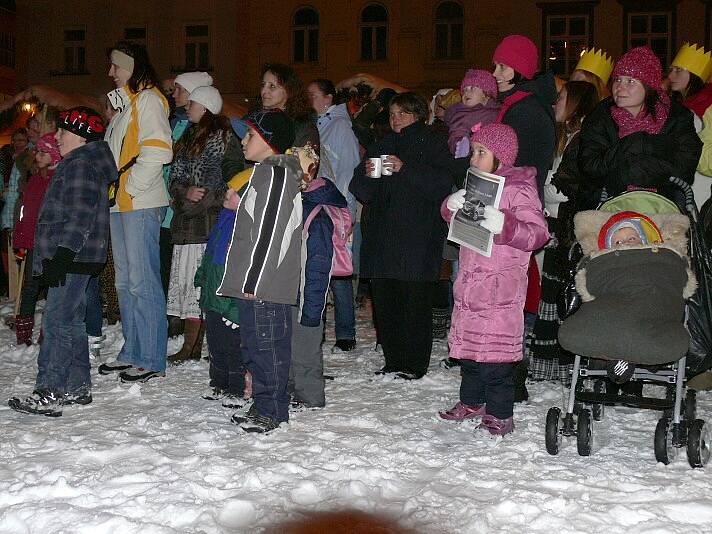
499, 138
518, 52
48, 144
642, 64
482, 79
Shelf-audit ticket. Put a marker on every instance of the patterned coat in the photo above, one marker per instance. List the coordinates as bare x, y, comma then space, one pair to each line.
75, 210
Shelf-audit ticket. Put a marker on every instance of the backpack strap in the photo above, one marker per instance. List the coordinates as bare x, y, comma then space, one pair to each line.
509, 102
310, 218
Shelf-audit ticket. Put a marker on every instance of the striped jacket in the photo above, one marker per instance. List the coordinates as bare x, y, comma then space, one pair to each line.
264, 255
140, 129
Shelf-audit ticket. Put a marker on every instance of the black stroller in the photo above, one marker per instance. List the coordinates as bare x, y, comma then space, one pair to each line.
689, 350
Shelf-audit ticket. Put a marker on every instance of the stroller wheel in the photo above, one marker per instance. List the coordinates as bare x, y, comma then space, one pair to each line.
597, 409
690, 405
583, 433
553, 436
698, 443
665, 451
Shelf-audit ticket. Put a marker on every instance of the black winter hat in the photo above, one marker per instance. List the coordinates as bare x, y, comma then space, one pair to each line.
274, 126
82, 121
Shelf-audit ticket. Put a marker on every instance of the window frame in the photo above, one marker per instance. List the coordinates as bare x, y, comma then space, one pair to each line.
143, 41
197, 40
650, 8
566, 10
75, 45
448, 23
373, 27
306, 30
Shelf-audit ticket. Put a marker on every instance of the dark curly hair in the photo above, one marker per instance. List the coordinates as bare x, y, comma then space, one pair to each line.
298, 105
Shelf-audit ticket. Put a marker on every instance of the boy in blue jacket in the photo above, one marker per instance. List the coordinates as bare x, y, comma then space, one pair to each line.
70, 247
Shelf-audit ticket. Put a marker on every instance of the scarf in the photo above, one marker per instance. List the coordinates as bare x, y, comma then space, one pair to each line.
644, 122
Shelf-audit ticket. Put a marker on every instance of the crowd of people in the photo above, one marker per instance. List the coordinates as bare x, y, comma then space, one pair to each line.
166, 213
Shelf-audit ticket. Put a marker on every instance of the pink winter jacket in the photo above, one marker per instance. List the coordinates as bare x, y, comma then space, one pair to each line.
488, 316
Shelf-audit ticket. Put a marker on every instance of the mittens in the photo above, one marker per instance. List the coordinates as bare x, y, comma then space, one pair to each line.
493, 220
456, 200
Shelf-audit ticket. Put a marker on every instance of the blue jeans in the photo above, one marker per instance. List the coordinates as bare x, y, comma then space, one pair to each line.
344, 314
94, 318
63, 361
134, 242
266, 341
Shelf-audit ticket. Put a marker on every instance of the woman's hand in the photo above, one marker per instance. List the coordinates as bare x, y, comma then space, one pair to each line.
195, 194
394, 162
369, 167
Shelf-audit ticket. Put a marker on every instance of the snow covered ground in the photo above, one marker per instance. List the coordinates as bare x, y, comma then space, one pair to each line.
156, 458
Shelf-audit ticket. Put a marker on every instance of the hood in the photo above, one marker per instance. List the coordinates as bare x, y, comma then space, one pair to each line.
100, 158
517, 174
288, 161
322, 191
337, 111
543, 86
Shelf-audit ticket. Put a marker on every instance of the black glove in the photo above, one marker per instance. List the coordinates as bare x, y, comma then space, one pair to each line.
54, 271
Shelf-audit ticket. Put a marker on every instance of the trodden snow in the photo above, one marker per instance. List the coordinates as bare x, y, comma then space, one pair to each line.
156, 458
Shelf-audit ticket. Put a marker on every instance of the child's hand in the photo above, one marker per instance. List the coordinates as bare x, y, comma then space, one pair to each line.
456, 200
232, 199
493, 221
195, 194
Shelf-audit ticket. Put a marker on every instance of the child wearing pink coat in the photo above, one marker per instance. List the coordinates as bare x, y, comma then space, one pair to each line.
488, 316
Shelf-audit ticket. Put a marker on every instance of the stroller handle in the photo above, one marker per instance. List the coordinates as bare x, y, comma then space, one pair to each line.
690, 205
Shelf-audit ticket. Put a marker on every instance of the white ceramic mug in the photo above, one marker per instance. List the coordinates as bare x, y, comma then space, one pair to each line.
377, 168
386, 168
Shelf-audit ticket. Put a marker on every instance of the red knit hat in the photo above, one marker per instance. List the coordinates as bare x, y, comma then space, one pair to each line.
482, 79
642, 64
518, 52
498, 138
48, 144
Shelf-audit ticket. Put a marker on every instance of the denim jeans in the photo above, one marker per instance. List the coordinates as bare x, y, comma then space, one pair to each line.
227, 370
63, 361
266, 341
344, 314
134, 242
94, 318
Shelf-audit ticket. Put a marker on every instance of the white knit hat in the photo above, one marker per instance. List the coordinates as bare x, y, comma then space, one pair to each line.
190, 80
209, 97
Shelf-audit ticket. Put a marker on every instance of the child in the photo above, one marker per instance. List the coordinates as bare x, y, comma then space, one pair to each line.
262, 267
307, 369
227, 368
46, 160
479, 105
488, 317
70, 246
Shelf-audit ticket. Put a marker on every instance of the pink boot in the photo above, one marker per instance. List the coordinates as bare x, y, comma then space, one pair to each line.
462, 411
497, 427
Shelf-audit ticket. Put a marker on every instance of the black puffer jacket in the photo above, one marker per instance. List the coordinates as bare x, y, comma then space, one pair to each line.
639, 159
404, 234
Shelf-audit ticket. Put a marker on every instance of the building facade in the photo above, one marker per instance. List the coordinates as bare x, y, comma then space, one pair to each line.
420, 44
8, 39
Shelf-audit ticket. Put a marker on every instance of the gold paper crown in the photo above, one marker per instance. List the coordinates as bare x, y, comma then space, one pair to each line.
596, 62
694, 59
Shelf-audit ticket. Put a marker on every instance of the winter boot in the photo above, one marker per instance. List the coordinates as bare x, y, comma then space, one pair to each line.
41, 402
192, 337
198, 345
175, 326
23, 329
441, 320
462, 411
497, 427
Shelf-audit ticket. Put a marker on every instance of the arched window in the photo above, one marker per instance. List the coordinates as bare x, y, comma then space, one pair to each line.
374, 32
305, 35
449, 32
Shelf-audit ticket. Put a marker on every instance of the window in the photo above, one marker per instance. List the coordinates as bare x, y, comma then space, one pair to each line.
7, 50
449, 32
136, 35
197, 47
75, 51
652, 23
305, 36
567, 28
653, 29
374, 32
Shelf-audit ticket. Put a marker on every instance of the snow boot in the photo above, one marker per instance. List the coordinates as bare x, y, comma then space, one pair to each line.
41, 402
192, 342
139, 374
175, 326
23, 329
462, 411
497, 427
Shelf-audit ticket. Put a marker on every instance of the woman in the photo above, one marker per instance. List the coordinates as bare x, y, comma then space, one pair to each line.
638, 138
594, 66
565, 194
140, 139
339, 155
401, 251
688, 77
198, 181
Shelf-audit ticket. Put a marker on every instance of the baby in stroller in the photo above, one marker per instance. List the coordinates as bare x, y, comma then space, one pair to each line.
633, 284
